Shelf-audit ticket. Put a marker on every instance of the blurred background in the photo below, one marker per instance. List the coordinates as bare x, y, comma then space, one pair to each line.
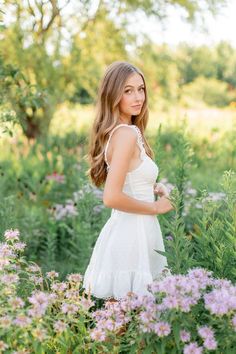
53, 54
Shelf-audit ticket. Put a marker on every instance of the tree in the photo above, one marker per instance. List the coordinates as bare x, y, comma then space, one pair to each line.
44, 39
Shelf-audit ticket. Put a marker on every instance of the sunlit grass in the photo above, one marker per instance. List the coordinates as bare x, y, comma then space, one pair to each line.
201, 122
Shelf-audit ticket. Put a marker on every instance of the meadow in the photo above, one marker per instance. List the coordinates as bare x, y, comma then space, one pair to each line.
52, 213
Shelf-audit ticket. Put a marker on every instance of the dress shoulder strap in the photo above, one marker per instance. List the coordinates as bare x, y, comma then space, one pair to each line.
139, 140
110, 135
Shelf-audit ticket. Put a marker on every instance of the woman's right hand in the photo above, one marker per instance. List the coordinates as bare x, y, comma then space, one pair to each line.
163, 205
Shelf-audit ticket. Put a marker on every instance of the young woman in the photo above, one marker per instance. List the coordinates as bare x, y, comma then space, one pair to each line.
124, 258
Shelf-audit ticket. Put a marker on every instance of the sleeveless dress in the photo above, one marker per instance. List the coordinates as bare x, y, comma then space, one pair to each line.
123, 257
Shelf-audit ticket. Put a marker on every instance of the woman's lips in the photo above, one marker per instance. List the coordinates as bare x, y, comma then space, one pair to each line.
137, 106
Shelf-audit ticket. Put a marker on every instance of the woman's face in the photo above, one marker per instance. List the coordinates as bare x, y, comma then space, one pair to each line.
133, 96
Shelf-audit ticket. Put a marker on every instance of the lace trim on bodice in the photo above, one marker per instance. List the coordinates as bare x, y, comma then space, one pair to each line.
139, 141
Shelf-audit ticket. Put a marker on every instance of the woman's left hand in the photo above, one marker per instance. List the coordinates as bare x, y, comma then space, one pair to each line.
161, 190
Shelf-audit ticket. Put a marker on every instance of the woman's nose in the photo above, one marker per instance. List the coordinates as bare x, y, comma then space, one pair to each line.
138, 95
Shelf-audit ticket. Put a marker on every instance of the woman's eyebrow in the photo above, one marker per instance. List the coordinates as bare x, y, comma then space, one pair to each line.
133, 86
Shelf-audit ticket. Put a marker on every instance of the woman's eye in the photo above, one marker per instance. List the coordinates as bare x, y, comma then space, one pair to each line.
141, 89
127, 91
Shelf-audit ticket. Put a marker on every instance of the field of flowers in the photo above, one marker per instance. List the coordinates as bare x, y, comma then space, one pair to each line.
50, 218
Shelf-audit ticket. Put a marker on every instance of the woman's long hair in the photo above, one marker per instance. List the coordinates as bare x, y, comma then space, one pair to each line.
107, 117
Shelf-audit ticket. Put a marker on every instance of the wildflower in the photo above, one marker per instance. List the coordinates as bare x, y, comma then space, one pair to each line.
60, 326
12, 235
192, 348
76, 277
162, 329
86, 303
6, 251
22, 321
146, 327
19, 246
210, 343
34, 268
185, 336
70, 309
5, 321
97, 335
169, 238
36, 280
60, 211
4, 263
146, 316
39, 333
221, 301
60, 287
52, 274
72, 294
39, 298
205, 332
16, 302
56, 177
9, 278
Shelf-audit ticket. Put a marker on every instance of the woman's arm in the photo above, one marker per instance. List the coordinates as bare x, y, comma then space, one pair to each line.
124, 142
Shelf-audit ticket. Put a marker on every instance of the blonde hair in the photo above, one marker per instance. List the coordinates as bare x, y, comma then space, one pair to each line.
107, 117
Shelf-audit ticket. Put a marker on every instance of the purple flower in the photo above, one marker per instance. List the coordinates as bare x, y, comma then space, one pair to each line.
70, 309
169, 238
221, 301
52, 274
98, 335
185, 336
12, 235
146, 316
86, 303
22, 321
56, 177
59, 287
210, 343
162, 329
192, 348
205, 332
9, 278
60, 326
75, 278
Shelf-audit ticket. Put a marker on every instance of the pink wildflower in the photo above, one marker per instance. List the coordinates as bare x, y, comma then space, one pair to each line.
76, 277
22, 321
19, 246
59, 287
192, 348
52, 274
98, 335
9, 278
60, 326
185, 336
86, 303
16, 302
12, 235
205, 332
70, 309
162, 329
210, 343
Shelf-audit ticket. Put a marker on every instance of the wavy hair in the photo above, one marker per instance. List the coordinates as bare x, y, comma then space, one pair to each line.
107, 117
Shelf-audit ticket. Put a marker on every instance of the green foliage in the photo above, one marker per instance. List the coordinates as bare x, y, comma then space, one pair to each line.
52, 51
210, 91
215, 231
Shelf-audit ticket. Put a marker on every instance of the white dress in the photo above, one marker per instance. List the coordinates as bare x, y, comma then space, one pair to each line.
123, 257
